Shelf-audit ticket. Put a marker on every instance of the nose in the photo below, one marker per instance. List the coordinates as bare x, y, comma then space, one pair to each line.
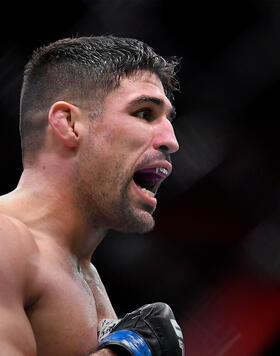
165, 139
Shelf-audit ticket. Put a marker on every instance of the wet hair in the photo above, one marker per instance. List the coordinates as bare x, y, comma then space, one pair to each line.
82, 70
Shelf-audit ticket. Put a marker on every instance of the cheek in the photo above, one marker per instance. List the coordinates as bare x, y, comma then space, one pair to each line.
116, 149
131, 136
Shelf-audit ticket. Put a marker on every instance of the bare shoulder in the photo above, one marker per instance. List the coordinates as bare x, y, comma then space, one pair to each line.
18, 255
15, 237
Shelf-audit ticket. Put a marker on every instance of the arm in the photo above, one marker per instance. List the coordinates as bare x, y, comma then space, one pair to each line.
16, 335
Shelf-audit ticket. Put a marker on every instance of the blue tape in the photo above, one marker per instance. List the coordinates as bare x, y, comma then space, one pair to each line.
129, 340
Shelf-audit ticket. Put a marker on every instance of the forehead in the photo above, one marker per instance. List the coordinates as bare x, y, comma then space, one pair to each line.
143, 79
141, 83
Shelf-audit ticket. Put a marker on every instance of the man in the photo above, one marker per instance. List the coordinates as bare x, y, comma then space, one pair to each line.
95, 122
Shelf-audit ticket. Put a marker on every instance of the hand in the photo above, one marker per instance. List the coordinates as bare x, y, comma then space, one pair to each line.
148, 331
104, 352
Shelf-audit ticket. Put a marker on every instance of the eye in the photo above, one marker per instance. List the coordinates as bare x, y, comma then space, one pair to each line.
145, 114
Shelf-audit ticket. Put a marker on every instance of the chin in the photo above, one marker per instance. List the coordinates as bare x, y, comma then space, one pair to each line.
131, 216
138, 223
144, 227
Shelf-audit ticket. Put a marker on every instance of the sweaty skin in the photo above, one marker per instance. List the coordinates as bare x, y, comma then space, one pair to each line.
51, 296
62, 302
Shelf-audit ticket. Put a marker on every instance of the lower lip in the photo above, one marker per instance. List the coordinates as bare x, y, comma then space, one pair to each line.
145, 197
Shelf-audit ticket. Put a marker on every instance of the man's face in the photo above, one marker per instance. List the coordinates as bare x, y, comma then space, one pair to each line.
126, 155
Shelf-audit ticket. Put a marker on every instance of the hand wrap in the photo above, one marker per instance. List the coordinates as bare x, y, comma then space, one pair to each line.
148, 331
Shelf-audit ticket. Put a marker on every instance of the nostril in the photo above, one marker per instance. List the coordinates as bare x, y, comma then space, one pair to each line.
163, 148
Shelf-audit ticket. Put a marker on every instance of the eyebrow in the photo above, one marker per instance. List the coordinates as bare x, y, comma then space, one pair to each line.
144, 99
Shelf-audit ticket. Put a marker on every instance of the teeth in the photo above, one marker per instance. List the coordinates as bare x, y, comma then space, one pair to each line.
151, 194
162, 170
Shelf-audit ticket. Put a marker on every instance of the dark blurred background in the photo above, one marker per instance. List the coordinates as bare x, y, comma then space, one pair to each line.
214, 255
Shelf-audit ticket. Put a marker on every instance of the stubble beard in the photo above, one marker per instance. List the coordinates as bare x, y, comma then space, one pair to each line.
112, 210
135, 220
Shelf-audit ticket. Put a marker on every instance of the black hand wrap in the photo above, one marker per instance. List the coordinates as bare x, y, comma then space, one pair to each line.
148, 331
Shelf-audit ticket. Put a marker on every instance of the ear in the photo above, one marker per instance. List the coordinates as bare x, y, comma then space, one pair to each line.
62, 121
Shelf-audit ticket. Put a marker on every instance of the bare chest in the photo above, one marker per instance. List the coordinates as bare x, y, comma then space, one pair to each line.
65, 318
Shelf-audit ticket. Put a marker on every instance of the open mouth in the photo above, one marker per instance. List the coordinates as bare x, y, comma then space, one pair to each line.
149, 179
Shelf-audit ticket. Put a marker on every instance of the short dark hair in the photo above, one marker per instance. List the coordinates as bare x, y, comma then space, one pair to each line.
85, 69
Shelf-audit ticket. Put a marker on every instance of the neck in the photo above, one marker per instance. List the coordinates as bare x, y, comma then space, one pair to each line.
47, 208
